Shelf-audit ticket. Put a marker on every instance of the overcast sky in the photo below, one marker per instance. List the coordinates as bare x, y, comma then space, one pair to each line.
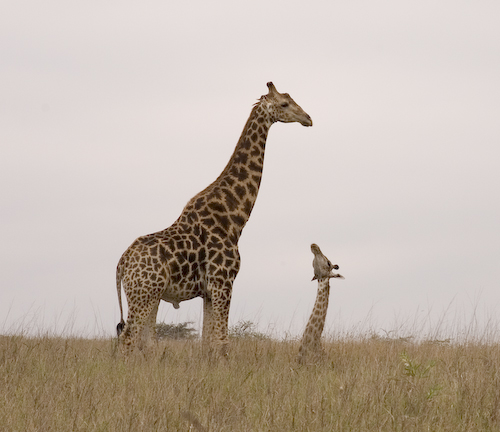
114, 114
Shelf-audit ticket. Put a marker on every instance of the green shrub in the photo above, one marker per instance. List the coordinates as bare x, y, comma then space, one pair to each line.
176, 331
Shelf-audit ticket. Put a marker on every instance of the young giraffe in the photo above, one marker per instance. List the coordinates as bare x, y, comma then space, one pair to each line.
198, 255
310, 350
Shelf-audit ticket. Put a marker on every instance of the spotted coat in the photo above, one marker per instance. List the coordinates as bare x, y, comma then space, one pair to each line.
310, 350
197, 256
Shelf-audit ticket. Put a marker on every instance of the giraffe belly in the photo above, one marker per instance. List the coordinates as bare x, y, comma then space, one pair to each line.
176, 293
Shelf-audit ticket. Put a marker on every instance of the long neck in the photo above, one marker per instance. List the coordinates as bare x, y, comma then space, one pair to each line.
243, 172
316, 322
229, 200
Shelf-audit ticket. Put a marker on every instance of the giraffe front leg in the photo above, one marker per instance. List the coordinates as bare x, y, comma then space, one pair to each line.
221, 299
208, 325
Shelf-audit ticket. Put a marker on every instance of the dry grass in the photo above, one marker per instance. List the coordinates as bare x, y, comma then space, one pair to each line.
56, 384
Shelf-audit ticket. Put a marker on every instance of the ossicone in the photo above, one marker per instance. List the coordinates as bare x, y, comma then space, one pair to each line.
271, 88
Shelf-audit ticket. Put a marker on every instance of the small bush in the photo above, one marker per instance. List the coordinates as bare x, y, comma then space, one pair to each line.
175, 331
246, 329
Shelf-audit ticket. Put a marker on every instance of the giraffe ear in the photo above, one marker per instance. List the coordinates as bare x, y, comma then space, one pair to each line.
272, 89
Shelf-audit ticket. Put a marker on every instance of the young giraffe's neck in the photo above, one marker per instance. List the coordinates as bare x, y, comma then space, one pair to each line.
316, 322
229, 200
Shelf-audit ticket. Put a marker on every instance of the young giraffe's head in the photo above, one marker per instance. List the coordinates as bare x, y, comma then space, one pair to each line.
282, 108
323, 268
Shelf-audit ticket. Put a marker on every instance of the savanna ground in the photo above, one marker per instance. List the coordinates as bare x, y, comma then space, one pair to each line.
366, 384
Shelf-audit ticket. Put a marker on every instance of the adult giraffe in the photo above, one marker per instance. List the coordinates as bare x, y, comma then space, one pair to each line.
198, 255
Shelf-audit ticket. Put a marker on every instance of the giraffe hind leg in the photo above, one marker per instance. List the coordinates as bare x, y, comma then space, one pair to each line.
148, 335
139, 330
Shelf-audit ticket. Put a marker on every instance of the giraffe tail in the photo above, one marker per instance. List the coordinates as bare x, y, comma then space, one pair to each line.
121, 324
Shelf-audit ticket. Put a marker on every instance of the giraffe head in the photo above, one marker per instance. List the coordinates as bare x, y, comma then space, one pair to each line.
282, 108
323, 268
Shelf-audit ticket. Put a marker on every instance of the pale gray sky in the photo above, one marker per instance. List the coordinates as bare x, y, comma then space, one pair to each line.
113, 114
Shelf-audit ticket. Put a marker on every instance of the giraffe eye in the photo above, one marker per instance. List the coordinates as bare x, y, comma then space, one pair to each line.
284, 104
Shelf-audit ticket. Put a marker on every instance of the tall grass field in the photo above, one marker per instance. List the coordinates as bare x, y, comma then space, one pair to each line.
365, 384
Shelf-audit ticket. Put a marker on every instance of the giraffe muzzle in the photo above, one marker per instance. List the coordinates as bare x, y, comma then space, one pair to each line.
307, 121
